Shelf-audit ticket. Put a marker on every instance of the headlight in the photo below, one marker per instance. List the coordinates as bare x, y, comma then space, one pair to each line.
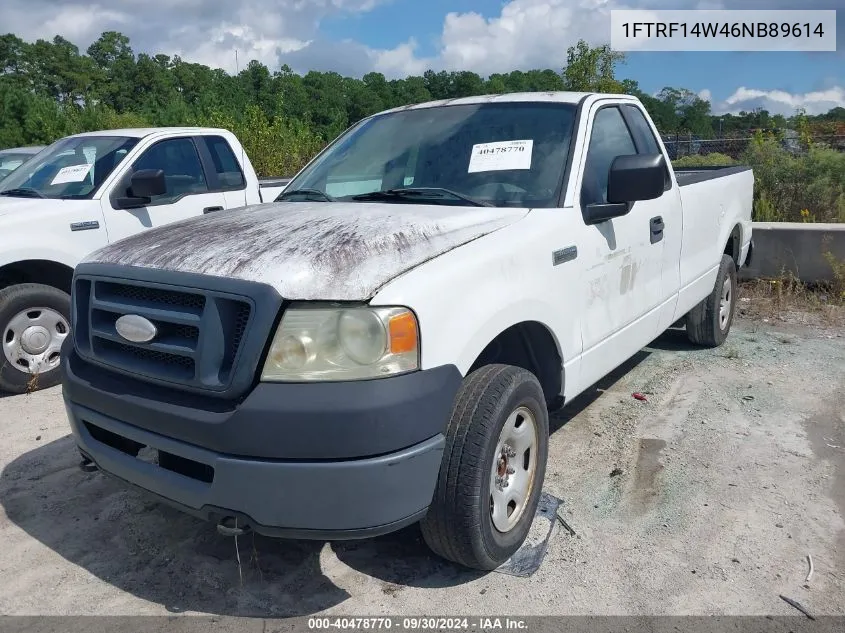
332, 343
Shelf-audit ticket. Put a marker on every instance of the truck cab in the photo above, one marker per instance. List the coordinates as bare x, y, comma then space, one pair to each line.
84, 192
383, 344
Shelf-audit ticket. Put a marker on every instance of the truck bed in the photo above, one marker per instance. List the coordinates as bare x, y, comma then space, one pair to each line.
715, 201
691, 175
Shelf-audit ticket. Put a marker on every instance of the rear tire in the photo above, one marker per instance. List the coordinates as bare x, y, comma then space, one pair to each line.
34, 321
709, 323
493, 467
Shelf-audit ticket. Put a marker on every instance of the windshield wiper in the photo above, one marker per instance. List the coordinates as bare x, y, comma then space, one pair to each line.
23, 192
420, 192
305, 192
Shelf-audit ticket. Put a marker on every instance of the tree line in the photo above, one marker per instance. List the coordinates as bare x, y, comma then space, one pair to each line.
49, 89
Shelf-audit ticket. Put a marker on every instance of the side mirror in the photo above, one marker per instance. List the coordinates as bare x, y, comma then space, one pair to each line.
631, 179
637, 177
146, 183
143, 185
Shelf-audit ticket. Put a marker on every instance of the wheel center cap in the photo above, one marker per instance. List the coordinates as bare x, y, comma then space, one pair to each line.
35, 339
502, 468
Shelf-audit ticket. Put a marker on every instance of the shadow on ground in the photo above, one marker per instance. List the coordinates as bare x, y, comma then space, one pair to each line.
160, 555
673, 340
562, 417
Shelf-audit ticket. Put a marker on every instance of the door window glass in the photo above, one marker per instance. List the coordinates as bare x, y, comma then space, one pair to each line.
609, 138
180, 162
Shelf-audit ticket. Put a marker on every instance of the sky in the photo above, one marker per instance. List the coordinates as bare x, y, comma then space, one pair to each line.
402, 37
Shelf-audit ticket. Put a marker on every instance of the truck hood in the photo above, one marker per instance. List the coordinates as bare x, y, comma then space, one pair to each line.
10, 205
310, 251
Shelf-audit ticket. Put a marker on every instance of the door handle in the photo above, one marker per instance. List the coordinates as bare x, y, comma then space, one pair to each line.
657, 226
212, 209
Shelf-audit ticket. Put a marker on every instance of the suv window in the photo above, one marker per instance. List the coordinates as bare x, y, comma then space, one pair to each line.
228, 170
610, 138
180, 162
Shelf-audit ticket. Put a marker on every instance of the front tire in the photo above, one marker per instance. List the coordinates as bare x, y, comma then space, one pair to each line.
34, 322
709, 322
493, 468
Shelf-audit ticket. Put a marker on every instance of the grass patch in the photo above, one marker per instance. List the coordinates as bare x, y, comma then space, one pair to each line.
789, 299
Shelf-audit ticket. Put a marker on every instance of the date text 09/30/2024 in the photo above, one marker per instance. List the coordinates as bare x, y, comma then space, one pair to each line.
418, 623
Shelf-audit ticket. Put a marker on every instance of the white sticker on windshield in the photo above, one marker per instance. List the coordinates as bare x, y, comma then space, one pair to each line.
71, 173
500, 156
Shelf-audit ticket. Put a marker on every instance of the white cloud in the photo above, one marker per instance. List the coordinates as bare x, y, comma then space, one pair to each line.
218, 49
705, 94
205, 31
781, 102
400, 61
526, 34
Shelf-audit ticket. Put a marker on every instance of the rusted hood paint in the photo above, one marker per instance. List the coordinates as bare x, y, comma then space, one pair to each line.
310, 251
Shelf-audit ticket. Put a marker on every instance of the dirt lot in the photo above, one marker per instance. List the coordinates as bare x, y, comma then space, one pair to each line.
723, 483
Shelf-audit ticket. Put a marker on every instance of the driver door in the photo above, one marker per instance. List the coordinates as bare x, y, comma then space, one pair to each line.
187, 193
622, 286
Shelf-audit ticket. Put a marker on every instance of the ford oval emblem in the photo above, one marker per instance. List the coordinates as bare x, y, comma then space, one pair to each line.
135, 328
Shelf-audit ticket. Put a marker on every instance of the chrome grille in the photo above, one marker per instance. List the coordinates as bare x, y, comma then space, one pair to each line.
199, 332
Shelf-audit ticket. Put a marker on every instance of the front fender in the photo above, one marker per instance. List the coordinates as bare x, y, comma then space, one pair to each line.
60, 231
466, 298
508, 316
57, 255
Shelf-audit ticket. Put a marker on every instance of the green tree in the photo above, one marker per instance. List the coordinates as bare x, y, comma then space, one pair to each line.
326, 103
114, 62
467, 84
410, 90
689, 112
360, 100
292, 93
592, 69
439, 85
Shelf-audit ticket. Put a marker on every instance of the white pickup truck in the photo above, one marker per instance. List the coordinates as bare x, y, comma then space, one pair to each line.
86, 191
383, 344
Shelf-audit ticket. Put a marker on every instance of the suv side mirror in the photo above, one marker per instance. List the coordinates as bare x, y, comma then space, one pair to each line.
631, 179
143, 185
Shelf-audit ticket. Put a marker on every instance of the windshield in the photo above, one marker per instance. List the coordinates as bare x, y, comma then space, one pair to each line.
72, 167
501, 154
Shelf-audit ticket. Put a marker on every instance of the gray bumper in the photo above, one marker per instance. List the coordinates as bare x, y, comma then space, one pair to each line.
326, 499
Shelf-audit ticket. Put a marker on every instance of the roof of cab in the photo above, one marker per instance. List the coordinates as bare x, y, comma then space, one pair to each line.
525, 97
142, 132
29, 149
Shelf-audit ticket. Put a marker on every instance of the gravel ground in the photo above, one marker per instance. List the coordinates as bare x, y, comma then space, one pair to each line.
706, 499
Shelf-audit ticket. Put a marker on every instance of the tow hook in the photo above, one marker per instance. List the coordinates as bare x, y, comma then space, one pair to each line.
228, 526
87, 465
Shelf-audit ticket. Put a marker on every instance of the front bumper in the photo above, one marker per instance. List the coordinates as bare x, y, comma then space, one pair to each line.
373, 463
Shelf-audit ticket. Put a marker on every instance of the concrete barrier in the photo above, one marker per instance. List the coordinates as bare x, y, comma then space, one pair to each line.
784, 247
